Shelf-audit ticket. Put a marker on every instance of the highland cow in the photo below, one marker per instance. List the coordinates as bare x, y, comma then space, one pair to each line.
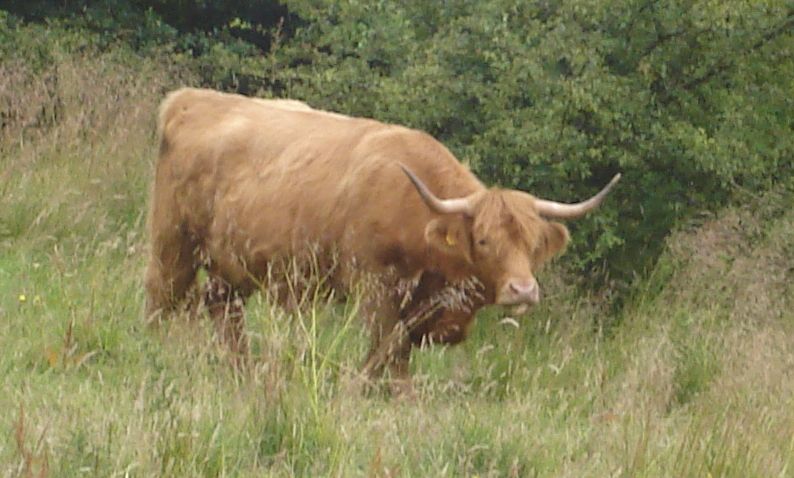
242, 183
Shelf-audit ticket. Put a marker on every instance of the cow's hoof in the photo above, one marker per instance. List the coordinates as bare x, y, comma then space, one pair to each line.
403, 390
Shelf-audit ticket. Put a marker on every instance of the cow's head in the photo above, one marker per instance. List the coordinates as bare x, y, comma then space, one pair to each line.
503, 235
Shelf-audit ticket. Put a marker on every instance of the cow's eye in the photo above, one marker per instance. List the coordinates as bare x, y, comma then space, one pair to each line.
482, 242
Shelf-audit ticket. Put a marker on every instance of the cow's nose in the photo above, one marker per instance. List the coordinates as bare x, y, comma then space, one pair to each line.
526, 291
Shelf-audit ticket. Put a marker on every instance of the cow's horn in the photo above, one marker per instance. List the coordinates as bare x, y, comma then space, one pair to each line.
571, 211
441, 206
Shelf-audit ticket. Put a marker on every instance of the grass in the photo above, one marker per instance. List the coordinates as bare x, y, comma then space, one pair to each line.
692, 378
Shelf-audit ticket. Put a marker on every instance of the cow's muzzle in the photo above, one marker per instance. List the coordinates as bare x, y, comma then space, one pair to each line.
519, 292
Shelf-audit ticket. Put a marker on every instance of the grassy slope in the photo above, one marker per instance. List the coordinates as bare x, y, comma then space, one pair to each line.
694, 377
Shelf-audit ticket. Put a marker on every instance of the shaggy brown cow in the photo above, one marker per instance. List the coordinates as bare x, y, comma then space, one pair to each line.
241, 183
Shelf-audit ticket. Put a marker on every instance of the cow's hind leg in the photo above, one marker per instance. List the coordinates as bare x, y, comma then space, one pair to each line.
171, 270
226, 307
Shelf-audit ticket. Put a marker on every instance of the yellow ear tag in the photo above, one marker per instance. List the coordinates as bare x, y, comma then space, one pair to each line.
451, 239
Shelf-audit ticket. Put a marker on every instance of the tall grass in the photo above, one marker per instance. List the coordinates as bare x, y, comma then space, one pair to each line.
692, 378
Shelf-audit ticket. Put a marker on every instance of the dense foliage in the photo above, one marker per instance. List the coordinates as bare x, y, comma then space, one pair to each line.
692, 101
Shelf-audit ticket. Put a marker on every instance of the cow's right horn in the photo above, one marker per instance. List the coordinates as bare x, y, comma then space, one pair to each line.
570, 211
441, 206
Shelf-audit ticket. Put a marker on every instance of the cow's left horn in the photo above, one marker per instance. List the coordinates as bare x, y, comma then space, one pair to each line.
571, 211
441, 206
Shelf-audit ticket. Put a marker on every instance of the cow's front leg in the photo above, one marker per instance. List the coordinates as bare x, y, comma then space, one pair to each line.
226, 308
390, 347
399, 364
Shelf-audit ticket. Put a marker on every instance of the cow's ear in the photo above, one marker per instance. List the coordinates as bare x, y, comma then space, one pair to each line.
449, 236
554, 238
